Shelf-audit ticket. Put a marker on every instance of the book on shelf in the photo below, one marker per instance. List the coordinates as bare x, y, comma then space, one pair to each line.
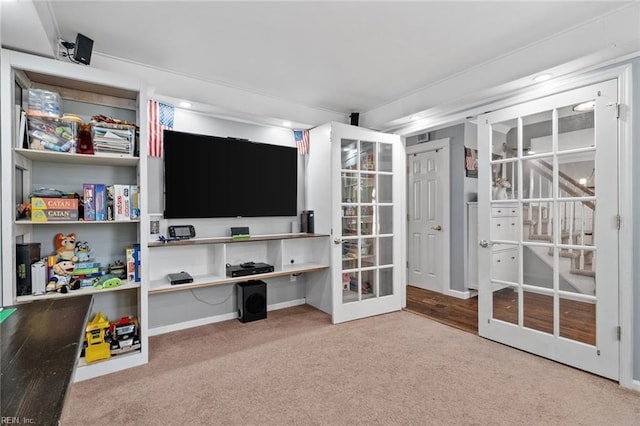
101, 201
89, 201
121, 202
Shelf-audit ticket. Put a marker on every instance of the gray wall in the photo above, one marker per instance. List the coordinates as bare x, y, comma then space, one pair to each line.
461, 191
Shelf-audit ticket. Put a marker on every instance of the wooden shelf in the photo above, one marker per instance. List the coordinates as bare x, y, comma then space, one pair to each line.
120, 362
76, 222
162, 286
69, 158
74, 293
226, 240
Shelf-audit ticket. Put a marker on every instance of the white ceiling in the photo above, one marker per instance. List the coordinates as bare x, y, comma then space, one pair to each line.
386, 60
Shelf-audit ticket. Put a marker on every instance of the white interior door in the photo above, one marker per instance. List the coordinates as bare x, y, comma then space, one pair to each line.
428, 236
367, 231
548, 209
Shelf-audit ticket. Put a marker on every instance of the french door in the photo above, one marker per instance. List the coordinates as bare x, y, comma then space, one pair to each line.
368, 186
548, 209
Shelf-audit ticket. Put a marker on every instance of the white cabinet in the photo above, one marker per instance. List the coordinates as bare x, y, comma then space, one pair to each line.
504, 256
86, 92
356, 187
205, 259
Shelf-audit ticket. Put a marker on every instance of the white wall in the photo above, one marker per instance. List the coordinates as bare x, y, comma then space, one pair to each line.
200, 305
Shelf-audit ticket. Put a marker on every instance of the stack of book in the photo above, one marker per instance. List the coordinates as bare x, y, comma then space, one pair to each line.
110, 202
113, 138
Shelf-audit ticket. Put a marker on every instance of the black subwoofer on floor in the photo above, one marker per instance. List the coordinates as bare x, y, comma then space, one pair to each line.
252, 301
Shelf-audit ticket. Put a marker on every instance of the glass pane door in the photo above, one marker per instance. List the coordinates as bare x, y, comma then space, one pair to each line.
367, 234
367, 239
552, 252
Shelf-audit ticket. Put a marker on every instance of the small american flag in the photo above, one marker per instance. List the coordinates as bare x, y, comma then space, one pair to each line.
302, 141
160, 118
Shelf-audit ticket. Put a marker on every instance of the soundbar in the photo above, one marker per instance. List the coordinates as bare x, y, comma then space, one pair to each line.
247, 269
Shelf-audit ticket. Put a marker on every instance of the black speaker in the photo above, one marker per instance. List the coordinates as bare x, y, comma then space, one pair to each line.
83, 48
355, 118
252, 301
306, 221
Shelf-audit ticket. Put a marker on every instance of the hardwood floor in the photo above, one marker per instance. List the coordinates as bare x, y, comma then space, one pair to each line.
577, 319
458, 313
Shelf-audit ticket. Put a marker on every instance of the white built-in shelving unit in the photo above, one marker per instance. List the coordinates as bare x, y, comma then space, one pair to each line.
86, 92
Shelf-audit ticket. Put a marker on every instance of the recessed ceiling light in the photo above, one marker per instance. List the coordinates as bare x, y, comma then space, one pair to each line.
585, 106
286, 123
185, 104
542, 77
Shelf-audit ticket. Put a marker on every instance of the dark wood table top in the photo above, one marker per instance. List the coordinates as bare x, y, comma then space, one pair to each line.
41, 342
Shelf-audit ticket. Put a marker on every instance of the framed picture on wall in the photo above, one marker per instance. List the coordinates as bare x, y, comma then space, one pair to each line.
471, 162
157, 226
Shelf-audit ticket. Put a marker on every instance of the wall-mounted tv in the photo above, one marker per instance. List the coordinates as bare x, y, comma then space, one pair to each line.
211, 176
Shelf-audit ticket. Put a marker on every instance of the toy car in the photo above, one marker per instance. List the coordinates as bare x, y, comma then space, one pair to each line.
124, 335
97, 347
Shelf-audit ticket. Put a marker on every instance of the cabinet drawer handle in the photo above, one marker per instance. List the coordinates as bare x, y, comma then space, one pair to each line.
498, 224
498, 260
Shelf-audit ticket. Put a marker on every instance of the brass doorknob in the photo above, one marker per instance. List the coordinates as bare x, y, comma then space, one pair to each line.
437, 228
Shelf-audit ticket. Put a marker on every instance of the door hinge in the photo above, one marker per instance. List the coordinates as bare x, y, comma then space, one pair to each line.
618, 333
407, 264
618, 110
618, 221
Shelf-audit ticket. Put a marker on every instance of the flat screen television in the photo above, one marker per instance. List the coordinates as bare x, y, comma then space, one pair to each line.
214, 177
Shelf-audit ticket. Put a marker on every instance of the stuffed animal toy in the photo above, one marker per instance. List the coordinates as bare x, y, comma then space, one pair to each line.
66, 246
83, 252
61, 279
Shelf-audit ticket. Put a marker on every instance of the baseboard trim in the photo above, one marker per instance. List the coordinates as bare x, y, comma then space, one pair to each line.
635, 385
461, 294
217, 318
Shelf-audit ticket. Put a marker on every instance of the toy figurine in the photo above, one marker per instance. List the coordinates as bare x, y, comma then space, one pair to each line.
66, 247
83, 252
61, 280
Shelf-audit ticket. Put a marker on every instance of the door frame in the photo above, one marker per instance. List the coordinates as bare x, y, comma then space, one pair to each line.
445, 145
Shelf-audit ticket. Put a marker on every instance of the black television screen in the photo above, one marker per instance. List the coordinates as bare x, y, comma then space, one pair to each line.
210, 176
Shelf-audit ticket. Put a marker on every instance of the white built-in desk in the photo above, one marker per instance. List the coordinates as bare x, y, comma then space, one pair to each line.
205, 259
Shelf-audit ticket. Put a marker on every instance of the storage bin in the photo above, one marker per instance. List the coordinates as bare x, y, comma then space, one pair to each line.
52, 133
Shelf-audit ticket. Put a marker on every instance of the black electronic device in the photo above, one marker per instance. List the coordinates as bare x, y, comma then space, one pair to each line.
252, 301
307, 222
238, 232
180, 278
248, 268
181, 232
83, 48
211, 176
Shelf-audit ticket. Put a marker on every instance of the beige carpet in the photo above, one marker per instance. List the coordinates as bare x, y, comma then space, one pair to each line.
297, 368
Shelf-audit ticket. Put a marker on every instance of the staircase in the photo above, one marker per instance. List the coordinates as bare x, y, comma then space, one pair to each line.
575, 218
